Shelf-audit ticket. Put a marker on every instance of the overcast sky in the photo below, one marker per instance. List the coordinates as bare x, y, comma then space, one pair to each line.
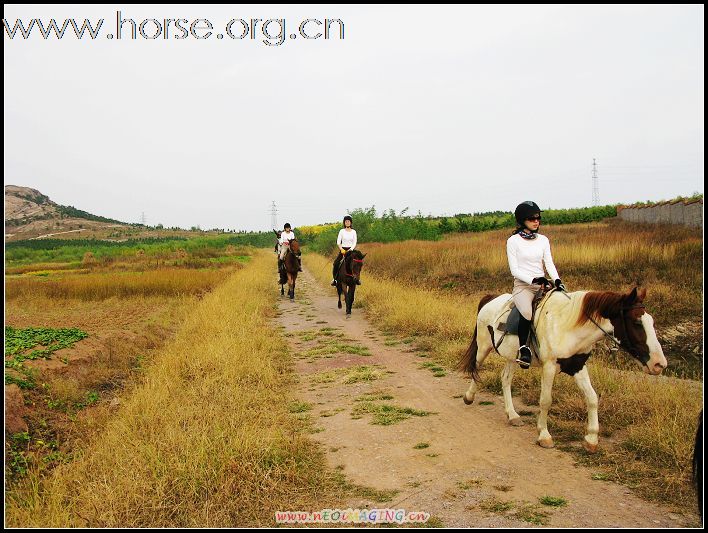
439, 109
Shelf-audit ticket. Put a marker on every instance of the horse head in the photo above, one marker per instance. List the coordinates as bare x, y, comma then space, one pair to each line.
355, 262
294, 246
634, 328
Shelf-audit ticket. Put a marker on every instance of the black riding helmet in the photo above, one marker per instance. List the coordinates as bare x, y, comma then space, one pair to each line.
345, 219
287, 226
525, 210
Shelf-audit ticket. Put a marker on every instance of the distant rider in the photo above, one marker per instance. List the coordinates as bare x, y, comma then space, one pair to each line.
346, 240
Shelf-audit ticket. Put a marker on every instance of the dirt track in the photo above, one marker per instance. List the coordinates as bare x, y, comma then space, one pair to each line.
477, 471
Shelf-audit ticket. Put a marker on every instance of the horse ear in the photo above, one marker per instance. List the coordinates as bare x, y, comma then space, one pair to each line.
363, 256
642, 294
632, 297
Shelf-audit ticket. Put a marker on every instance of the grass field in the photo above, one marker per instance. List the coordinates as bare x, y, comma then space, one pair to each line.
204, 438
430, 291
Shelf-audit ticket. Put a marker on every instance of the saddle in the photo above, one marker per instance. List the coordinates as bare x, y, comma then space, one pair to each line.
511, 325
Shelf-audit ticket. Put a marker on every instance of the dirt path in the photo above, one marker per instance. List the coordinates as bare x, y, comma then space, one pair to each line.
477, 471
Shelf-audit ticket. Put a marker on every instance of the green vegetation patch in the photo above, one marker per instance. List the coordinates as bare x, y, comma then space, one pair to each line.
34, 343
386, 414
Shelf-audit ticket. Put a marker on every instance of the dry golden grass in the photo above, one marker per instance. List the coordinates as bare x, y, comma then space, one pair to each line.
205, 440
600, 256
657, 417
101, 285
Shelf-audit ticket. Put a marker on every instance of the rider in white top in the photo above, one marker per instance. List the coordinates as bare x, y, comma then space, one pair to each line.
286, 236
528, 252
346, 240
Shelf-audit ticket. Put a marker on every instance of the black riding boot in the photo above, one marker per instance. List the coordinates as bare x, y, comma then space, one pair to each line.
524, 358
335, 268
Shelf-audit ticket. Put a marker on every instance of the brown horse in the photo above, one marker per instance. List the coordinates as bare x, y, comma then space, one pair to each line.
291, 265
347, 276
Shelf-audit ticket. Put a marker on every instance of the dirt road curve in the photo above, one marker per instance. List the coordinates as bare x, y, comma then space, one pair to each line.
476, 471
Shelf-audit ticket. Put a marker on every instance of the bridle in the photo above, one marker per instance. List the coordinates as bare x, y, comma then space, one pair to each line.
345, 266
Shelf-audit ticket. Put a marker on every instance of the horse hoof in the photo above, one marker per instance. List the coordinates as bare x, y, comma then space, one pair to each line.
590, 448
546, 443
516, 422
339, 306
467, 402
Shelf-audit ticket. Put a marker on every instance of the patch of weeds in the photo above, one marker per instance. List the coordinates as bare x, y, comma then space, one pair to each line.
392, 342
385, 414
457, 396
503, 488
421, 446
532, 514
601, 476
334, 449
414, 484
299, 407
363, 373
486, 403
432, 454
437, 370
494, 505
373, 397
552, 501
329, 376
466, 485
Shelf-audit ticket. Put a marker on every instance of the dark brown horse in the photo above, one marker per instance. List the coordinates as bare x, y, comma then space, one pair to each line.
291, 265
347, 276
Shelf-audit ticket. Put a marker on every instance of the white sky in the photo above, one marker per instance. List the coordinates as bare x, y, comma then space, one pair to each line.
442, 109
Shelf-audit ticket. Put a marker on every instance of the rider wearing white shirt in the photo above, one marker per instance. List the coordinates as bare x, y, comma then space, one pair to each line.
528, 252
286, 236
346, 240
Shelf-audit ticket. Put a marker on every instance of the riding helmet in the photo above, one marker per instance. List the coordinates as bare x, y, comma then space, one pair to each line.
525, 210
287, 225
347, 217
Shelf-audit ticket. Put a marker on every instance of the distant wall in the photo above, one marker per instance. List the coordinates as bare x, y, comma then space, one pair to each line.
689, 213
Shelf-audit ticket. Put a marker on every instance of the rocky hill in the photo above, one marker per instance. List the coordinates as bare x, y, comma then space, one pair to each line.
30, 214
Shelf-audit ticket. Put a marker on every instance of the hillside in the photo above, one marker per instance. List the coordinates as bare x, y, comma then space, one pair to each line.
30, 214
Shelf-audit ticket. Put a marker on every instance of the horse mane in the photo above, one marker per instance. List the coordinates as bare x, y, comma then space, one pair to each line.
599, 304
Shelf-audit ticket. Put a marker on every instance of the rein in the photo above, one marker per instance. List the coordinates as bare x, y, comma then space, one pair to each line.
616, 342
345, 267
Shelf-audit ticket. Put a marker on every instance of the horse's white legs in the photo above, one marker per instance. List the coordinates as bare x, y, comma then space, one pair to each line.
582, 379
506, 377
548, 373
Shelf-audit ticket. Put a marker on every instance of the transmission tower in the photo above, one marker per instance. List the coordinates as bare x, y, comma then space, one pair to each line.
273, 216
142, 218
595, 184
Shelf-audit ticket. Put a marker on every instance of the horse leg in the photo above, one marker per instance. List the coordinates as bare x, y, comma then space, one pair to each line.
548, 374
350, 298
484, 348
582, 379
291, 286
339, 295
506, 377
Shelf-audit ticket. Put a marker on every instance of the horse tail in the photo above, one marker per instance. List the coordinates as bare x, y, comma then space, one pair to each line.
468, 362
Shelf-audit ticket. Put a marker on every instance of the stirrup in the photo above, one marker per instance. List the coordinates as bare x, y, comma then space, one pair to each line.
524, 358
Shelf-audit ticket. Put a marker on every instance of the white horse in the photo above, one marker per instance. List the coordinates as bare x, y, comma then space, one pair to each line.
567, 327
